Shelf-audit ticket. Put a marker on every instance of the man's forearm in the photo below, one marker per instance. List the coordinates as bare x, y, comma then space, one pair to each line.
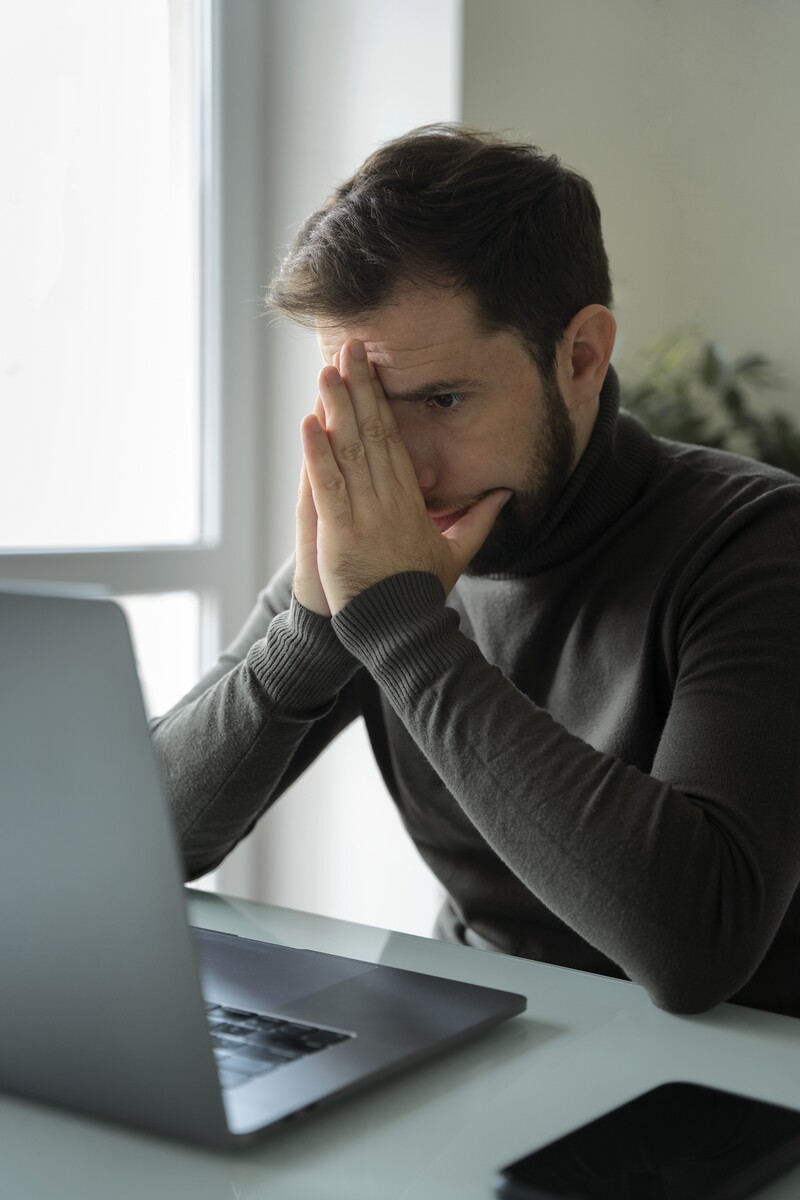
684, 892
225, 752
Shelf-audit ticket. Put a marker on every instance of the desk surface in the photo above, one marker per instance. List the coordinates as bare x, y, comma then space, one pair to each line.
440, 1130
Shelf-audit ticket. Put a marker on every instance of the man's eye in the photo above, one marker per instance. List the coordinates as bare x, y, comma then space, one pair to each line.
446, 402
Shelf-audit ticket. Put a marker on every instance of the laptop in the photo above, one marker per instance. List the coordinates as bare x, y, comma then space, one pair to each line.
111, 1004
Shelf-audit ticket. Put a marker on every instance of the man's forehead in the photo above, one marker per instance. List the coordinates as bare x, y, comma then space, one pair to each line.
418, 329
398, 354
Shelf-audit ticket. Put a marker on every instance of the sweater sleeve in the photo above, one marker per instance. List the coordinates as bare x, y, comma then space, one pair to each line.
252, 724
681, 874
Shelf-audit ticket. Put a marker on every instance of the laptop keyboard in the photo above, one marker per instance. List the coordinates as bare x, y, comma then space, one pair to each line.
248, 1044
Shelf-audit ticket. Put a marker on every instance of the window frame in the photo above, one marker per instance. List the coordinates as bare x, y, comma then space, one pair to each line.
224, 566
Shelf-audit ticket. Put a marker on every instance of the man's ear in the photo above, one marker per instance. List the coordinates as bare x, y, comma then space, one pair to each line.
584, 353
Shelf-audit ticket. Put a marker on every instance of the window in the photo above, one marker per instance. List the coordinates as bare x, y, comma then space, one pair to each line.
105, 473
99, 424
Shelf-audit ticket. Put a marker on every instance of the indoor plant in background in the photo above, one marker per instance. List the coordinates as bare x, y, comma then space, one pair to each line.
690, 390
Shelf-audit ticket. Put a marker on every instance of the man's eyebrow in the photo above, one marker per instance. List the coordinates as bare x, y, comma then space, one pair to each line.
436, 387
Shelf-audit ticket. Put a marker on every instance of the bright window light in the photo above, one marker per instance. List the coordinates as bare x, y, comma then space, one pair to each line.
99, 410
165, 635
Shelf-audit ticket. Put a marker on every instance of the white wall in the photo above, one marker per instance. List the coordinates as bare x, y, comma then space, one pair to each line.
684, 115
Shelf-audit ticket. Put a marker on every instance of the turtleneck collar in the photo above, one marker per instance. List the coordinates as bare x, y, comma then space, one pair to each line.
608, 478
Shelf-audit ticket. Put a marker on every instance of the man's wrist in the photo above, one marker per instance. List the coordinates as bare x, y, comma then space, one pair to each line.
401, 630
301, 663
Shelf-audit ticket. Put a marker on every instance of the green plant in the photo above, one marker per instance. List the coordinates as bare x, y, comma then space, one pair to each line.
689, 390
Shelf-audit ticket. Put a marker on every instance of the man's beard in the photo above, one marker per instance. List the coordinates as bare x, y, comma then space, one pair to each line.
552, 463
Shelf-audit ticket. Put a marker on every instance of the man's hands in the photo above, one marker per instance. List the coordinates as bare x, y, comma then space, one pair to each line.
307, 585
361, 516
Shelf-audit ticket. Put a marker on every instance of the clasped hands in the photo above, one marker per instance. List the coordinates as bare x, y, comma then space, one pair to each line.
361, 515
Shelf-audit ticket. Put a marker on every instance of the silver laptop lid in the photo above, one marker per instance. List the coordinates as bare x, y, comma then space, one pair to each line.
88, 871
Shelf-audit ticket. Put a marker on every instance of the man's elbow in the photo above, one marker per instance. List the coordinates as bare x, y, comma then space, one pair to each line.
690, 988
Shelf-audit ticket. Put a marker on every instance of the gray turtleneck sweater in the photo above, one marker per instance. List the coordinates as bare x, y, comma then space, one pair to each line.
598, 754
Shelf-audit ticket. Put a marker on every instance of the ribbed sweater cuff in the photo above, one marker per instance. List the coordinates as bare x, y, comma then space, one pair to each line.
301, 663
404, 635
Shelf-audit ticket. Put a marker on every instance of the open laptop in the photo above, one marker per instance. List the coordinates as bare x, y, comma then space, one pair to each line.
110, 1003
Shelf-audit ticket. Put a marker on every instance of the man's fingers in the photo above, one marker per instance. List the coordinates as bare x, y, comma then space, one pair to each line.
356, 431
306, 512
383, 442
307, 585
397, 451
364, 436
361, 378
469, 533
372, 409
319, 411
328, 488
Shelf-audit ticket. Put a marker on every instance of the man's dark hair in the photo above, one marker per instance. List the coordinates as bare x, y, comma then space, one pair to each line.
453, 207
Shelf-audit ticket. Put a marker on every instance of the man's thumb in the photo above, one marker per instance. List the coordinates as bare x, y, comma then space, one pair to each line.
471, 531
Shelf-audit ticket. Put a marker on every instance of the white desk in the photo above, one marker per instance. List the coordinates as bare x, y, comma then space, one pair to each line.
439, 1131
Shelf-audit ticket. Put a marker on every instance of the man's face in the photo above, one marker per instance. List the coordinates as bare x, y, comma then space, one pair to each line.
473, 411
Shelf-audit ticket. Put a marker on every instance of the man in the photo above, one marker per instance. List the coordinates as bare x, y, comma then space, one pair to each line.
576, 647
